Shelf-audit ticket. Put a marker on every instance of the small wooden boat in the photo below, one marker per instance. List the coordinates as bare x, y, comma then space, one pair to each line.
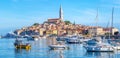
20, 45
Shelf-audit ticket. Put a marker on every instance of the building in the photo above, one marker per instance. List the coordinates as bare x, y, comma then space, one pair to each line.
56, 20
96, 31
108, 30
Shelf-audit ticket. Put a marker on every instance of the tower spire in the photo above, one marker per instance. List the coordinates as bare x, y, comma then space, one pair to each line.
61, 13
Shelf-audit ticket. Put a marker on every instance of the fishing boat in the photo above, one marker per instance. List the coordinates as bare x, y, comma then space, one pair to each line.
20, 45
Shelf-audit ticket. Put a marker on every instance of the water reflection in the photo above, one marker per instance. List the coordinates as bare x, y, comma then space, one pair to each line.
100, 54
57, 53
40, 49
20, 51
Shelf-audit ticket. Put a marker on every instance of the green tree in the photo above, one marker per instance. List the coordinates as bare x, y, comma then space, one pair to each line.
67, 22
35, 24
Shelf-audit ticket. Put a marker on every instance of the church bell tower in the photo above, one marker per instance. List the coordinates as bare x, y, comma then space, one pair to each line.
61, 13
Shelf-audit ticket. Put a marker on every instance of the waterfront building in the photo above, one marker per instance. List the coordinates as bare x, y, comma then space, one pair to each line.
96, 31
107, 30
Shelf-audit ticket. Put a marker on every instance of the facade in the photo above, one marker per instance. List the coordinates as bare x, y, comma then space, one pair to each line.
96, 31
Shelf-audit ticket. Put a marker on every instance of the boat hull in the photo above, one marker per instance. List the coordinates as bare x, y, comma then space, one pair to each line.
99, 49
58, 46
22, 46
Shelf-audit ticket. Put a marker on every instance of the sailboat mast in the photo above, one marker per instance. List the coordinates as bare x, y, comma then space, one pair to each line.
112, 20
97, 18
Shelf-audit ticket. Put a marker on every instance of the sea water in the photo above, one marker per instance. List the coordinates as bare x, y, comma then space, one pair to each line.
40, 49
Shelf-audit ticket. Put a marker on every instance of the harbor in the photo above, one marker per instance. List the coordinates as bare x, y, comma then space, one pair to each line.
40, 49
59, 29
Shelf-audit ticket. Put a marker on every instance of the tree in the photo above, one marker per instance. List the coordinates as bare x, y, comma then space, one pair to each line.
67, 22
35, 24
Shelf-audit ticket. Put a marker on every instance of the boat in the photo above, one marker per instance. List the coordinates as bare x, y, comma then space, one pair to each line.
99, 48
73, 40
61, 38
115, 43
32, 38
20, 45
57, 44
94, 45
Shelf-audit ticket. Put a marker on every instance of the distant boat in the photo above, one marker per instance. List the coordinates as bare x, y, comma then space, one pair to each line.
30, 38
73, 40
61, 38
20, 45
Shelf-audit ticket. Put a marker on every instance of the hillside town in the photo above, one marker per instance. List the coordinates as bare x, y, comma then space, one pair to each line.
59, 27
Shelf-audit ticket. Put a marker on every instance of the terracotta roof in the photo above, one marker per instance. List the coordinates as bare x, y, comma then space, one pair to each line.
53, 20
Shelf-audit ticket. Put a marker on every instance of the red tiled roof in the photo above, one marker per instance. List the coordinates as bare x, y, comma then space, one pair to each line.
53, 20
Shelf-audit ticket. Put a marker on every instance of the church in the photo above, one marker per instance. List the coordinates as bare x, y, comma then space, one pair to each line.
56, 20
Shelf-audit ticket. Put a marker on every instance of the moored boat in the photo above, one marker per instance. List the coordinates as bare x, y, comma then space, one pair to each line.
95, 45
99, 48
115, 43
20, 45
58, 46
73, 40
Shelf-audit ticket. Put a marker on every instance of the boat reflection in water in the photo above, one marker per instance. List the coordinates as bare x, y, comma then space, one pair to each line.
100, 54
21, 51
57, 52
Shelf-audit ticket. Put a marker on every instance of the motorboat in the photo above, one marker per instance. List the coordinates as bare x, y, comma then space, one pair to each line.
99, 48
20, 45
61, 38
115, 43
95, 45
73, 39
59, 45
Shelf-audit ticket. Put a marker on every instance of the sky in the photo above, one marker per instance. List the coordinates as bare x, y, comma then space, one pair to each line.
15, 14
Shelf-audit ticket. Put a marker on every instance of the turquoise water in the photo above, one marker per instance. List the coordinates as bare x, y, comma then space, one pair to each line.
40, 49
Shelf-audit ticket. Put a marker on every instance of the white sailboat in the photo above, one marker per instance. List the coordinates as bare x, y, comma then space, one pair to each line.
96, 45
114, 42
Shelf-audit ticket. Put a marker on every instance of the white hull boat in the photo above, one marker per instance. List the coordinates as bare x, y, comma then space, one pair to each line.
57, 46
96, 45
99, 48
73, 39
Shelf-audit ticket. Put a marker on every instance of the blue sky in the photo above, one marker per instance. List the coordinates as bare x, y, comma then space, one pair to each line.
18, 13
